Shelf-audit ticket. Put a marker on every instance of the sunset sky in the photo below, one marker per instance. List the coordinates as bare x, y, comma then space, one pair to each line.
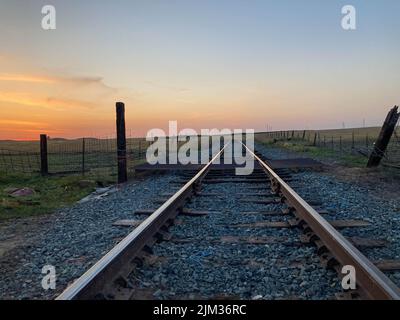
226, 63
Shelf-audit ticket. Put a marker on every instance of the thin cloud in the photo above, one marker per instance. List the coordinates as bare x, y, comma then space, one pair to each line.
58, 104
25, 78
22, 123
87, 81
48, 79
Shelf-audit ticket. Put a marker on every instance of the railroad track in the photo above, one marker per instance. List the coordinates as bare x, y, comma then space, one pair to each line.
113, 277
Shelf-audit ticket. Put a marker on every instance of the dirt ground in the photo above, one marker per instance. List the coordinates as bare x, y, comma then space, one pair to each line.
17, 236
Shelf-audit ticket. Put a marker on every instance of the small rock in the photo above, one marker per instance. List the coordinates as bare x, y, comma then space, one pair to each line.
157, 294
24, 192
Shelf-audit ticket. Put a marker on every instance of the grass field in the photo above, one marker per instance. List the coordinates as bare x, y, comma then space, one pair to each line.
67, 155
349, 147
20, 166
345, 146
360, 134
50, 193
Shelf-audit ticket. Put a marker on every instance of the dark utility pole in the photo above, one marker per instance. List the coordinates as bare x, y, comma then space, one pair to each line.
121, 143
384, 138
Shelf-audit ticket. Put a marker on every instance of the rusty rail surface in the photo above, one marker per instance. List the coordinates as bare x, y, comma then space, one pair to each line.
118, 263
373, 283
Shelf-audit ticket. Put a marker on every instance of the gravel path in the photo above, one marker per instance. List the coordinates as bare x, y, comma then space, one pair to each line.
71, 240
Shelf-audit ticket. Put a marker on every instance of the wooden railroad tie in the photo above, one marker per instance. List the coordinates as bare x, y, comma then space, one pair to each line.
339, 224
388, 265
135, 223
184, 212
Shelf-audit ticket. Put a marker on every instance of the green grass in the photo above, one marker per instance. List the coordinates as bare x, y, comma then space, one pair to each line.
51, 193
349, 147
303, 147
66, 155
20, 164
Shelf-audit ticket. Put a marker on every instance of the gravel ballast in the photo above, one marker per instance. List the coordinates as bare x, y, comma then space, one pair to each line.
204, 266
349, 200
73, 239
201, 261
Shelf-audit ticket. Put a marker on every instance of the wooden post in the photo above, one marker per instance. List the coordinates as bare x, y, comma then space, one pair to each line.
384, 137
121, 143
352, 140
44, 164
315, 140
304, 134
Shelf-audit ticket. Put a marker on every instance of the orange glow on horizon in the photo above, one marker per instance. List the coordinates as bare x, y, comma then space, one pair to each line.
25, 78
75, 106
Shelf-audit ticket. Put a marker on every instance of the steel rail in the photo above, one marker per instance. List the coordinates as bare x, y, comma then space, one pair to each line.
118, 261
373, 282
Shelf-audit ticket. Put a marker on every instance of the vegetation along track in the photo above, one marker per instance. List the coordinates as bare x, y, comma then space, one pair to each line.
235, 239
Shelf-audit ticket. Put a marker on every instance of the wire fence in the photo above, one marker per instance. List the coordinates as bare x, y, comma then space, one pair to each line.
392, 156
339, 143
100, 155
79, 156
70, 156
19, 161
